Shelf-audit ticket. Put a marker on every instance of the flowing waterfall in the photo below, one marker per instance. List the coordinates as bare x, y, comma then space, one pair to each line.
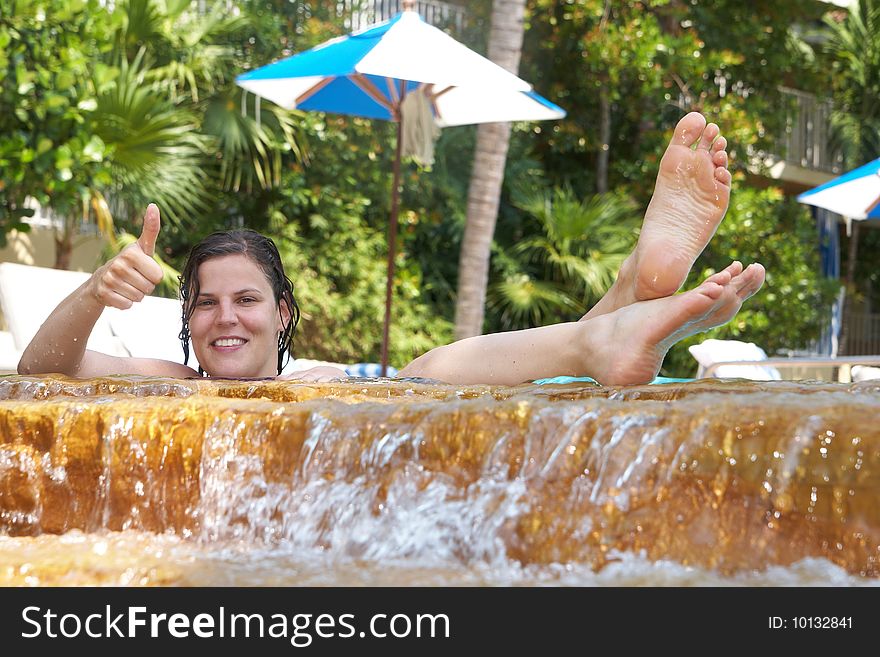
465, 482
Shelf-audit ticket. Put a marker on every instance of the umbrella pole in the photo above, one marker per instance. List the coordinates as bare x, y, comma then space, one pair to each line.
392, 243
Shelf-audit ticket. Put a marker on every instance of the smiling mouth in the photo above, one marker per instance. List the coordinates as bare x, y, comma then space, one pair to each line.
228, 342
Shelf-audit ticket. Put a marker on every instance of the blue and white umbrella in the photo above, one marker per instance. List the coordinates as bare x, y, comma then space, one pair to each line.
369, 73
855, 195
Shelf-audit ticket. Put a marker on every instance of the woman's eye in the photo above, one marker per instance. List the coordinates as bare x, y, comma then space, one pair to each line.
247, 300
205, 302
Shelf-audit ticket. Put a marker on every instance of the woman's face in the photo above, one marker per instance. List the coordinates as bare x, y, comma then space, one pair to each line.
235, 321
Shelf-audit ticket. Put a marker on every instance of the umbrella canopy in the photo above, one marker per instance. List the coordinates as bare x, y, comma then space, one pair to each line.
362, 74
855, 195
370, 72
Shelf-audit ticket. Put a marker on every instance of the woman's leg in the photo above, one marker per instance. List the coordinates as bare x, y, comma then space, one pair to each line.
626, 346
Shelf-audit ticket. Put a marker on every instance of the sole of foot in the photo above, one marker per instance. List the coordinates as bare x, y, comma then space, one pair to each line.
690, 199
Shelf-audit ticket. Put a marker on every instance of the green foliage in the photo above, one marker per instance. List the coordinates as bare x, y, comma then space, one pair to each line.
564, 266
657, 60
137, 104
47, 97
854, 49
794, 305
155, 151
339, 275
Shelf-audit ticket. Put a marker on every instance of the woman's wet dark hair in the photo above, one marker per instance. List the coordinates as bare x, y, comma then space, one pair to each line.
263, 252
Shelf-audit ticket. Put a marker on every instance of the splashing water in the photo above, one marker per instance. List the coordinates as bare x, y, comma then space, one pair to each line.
151, 481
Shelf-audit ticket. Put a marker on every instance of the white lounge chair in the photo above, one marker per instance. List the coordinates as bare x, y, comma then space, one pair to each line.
29, 294
734, 359
865, 373
9, 354
718, 358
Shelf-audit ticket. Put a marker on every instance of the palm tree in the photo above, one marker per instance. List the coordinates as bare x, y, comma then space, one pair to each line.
505, 47
558, 274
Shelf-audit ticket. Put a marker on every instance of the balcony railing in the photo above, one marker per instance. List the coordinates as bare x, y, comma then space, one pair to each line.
358, 14
807, 139
862, 333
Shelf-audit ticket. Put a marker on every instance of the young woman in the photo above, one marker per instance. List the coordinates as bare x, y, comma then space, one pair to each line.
239, 311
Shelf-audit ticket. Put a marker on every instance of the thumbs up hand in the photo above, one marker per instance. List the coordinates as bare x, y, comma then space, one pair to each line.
132, 274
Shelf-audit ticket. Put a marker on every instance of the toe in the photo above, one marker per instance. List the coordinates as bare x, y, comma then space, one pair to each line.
724, 276
722, 175
721, 277
719, 144
757, 278
689, 129
749, 282
708, 136
719, 159
743, 280
711, 289
747, 292
735, 268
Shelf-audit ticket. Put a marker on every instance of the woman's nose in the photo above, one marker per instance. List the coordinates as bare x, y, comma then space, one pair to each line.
226, 314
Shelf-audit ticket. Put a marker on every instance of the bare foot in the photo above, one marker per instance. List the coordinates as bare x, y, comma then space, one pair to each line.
628, 346
690, 198
741, 287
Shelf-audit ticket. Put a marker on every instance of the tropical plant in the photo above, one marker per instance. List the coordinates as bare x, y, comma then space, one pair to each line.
132, 104
854, 48
154, 149
47, 96
556, 274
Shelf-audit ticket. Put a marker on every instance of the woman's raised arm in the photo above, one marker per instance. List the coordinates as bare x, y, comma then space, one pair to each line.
60, 344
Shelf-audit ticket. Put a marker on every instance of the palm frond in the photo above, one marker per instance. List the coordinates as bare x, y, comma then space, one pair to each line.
156, 151
141, 23
854, 45
584, 241
251, 151
523, 302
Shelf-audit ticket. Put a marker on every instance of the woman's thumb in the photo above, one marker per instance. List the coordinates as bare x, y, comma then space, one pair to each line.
147, 240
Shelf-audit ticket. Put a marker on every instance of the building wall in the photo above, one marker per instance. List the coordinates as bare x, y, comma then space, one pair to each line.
37, 247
